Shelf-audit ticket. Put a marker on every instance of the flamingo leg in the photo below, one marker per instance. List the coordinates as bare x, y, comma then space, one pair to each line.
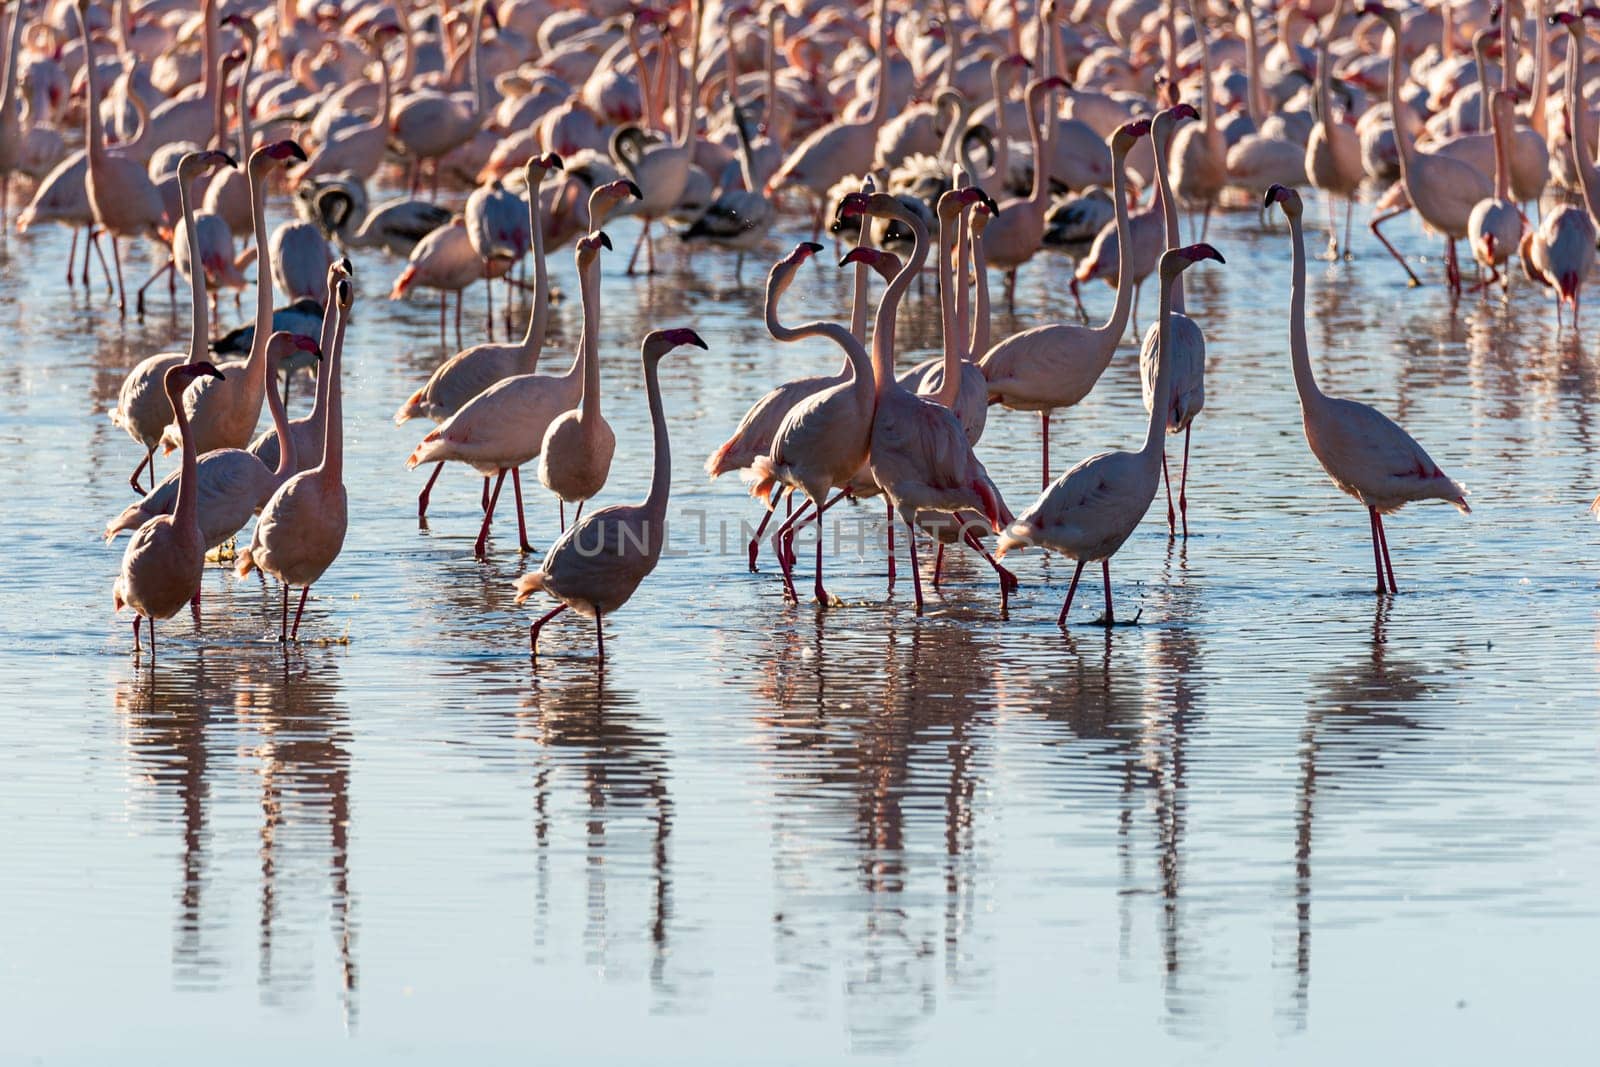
890, 507
754, 548
538, 624
1166, 480
821, 593
152, 642
1105, 574
938, 565
105, 268
150, 460
1008, 580
1378, 233
458, 318
1077, 297
579, 513
481, 549
122, 293
522, 522
1349, 211
1452, 268
561, 512
294, 631
488, 296
1377, 549
784, 539
600, 637
1183, 482
916, 573
427, 491
283, 616
136, 620
1044, 445
1388, 564
483, 503
166, 268
1011, 289
786, 555
444, 299
72, 256
1061, 620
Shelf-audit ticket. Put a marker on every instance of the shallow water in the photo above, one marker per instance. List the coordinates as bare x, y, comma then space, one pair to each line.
1278, 817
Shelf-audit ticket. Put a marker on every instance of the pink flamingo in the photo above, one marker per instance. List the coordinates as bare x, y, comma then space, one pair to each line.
358, 148
223, 412
469, 372
307, 432
165, 560
302, 527
1017, 231
143, 409
1494, 232
597, 564
445, 260
503, 427
1364, 452
1089, 512
1055, 366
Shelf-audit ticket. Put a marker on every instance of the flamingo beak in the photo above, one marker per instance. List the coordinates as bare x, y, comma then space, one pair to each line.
605, 241
634, 190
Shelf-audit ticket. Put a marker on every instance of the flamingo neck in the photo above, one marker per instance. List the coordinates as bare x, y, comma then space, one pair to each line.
1161, 140
1480, 64
1324, 73
889, 306
1252, 59
1588, 174
280, 426
958, 126
1043, 149
589, 355
219, 111
539, 317
200, 327
1501, 127
655, 504
256, 361
319, 400
1161, 396
589, 297
960, 271
1402, 134
772, 75
244, 102
949, 315
382, 121
980, 300
1541, 79
858, 305
185, 513
211, 49
1208, 102
474, 66
1114, 327
93, 134
647, 99
691, 79
1305, 381
332, 465
880, 95
8, 85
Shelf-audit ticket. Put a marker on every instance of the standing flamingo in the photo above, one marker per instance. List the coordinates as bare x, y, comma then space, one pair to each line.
1333, 151
143, 410
1055, 366
223, 412
302, 527
1494, 232
165, 559
1017, 231
307, 432
1185, 341
1363, 451
575, 458
358, 148
1089, 512
596, 565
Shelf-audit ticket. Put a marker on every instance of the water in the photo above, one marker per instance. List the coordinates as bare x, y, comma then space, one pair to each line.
1278, 818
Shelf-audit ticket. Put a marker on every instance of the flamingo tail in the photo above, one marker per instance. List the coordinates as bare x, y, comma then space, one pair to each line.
403, 283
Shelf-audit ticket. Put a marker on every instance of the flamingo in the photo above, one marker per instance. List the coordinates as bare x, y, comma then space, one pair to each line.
503, 427
300, 259
358, 148
223, 412
497, 226
468, 373
143, 410
1494, 232
1185, 340
430, 124
228, 195
1089, 512
841, 148
302, 526
307, 432
233, 483
1199, 153
575, 457
1364, 452
1056, 365
1017, 230
1560, 253
1443, 190
918, 454
822, 441
1333, 151
597, 564
124, 199
166, 557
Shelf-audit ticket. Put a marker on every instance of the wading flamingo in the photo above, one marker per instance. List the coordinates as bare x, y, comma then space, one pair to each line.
1089, 512
307, 432
597, 564
1494, 232
1363, 451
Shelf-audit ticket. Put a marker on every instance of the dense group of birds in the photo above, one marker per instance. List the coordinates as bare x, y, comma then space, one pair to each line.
960, 137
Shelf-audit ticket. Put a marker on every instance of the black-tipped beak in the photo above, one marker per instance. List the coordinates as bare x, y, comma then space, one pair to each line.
553, 162
811, 247
297, 152
634, 191
699, 342
347, 266
229, 160
605, 241
988, 202
1270, 197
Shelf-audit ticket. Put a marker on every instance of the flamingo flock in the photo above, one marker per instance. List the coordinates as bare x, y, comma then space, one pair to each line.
1068, 141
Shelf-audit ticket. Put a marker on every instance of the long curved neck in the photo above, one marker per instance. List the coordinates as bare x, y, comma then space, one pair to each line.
280, 426
880, 96
1252, 59
1402, 135
647, 98
960, 112
771, 109
473, 64
949, 317
1117, 324
980, 298
661, 476
856, 365
1480, 61
1325, 73
1305, 382
1541, 77
211, 46
244, 102
319, 401
257, 360
589, 401
858, 305
200, 327
333, 430
1588, 176
219, 114
1161, 396
539, 317
1208, 103
1043, 143
382, 121
1501, 123
1161, 138
185, 514
691, 78
589, 296
93, 134
889, 306
960, 272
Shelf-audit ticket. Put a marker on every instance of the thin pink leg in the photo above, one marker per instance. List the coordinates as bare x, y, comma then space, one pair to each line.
1061, 620
136, 620
538, 624
1166, 480
72, 255
283, 616
522, 522
600, 638
1105, 574
889, 507
133, 479
821, 593
577, 515
1388, 564
294, 631
1183, 482
1044, 436
1377, 549
481, 549
427, 491
754, 548
1008, 580
916, 574
938, 565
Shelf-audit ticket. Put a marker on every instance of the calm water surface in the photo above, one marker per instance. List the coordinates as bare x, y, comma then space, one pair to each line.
1277, 819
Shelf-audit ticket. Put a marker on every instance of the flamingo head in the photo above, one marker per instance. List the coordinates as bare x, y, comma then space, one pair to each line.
544, 164
658, 343
179, 377
344, 294
600, 239
1017, 60
1176, 260
1591, 12
277, 152
197, 163
283, 345
246, 26
802, 252
1389, 15
1044, 85
887, 264
937, 31
1280, 194
854, 205
953, 201
1184, 110
1124, 136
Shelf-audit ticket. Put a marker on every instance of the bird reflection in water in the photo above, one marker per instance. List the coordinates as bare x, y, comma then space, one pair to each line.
586, 727
1351, 729
186, 728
